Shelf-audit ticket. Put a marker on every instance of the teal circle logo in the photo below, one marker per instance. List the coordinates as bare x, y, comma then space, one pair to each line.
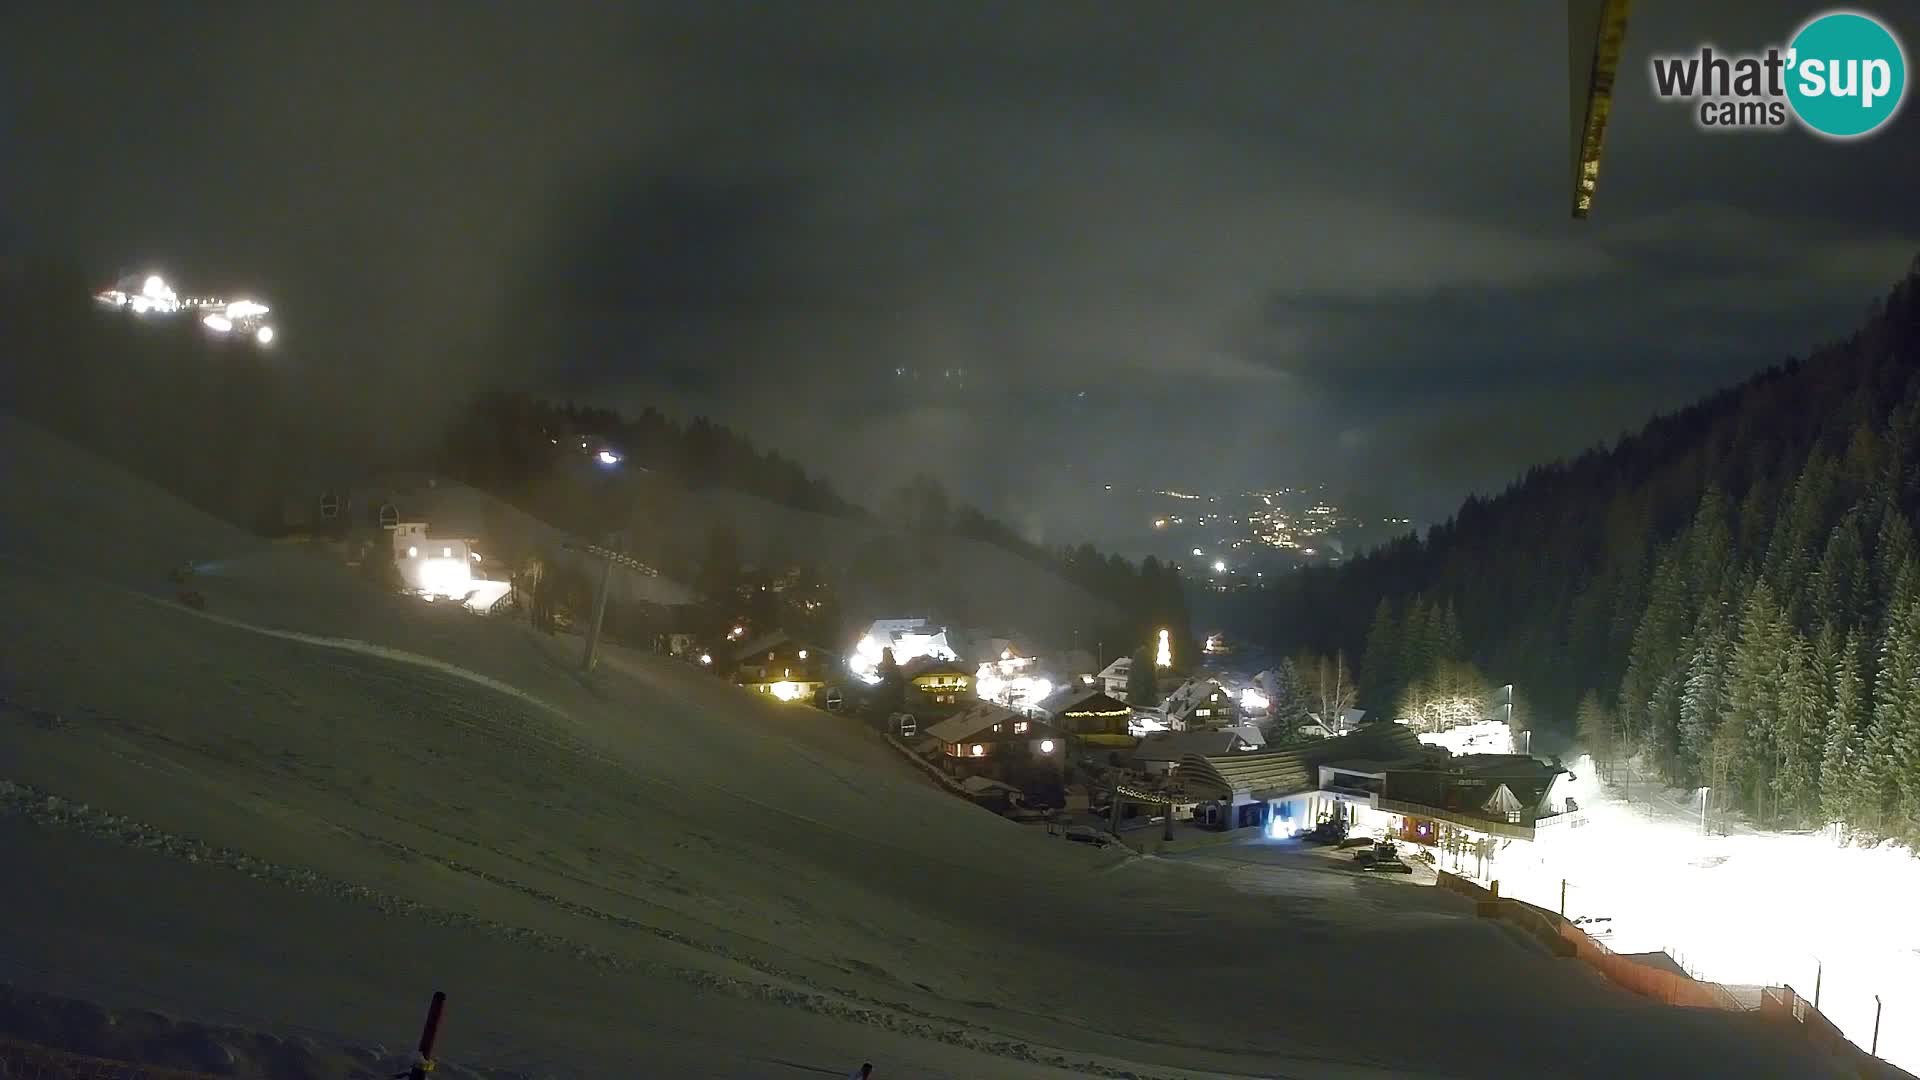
1847, 74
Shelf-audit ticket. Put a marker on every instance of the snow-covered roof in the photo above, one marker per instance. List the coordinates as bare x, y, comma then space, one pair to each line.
932, 665
969, 722
1120, 668
1191, 695
1249, 734
883, 629
1173, 746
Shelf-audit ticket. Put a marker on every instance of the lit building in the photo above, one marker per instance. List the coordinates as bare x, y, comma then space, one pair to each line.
1114, 677
1199, 702
782, 667
1470, 810
908, 639
433, 567
1012, 680
944, 686
1091, 717
989, 739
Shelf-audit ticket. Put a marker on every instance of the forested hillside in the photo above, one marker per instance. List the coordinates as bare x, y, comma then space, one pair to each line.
1733, 592
513, 444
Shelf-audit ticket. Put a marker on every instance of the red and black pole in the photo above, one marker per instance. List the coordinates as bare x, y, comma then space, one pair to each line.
429, 1032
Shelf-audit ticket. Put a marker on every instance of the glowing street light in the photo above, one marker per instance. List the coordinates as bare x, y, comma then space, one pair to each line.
608, 457
1219, 566
264, 335
218, 323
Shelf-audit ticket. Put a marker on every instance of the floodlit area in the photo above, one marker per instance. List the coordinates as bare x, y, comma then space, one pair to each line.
152, 295
906, 639
1743, 908
1009, 681
302, 804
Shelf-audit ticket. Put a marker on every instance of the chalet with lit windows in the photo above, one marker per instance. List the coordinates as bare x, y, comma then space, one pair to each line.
1113, 678
989, 739
1200, 702
1091, 718
782, 667
937, 687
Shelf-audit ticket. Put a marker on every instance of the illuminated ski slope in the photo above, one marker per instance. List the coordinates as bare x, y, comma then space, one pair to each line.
1746, 908
648, 872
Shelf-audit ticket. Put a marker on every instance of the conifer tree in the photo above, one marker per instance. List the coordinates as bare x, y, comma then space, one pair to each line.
1703, 699
1753, 697
1839, 587
1380, 666
1896, 709
1595, 726
1287, 703
1802, 726
1839, 763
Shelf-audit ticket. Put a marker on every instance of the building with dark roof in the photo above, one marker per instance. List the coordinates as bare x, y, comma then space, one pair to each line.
1381, 777
990, 739
939, 686
1091, 717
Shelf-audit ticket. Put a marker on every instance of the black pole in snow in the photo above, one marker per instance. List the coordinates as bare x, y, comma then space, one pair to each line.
599, 613
429, 1033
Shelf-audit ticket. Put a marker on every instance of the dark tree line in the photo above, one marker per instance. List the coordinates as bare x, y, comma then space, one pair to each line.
1416, 666
511, 442
1731, 592
528, 451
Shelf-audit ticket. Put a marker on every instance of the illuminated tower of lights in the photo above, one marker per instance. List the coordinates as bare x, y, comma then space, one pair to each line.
1164, 656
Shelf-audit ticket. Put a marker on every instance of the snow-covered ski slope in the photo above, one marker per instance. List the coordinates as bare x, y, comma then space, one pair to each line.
310, 805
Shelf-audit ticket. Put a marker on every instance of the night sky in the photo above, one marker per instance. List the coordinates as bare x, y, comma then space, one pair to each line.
1215, 245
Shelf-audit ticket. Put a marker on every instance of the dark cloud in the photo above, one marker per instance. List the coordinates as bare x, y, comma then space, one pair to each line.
1209, 245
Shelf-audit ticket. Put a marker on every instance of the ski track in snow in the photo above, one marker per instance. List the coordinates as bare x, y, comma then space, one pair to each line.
52, 810
584, 817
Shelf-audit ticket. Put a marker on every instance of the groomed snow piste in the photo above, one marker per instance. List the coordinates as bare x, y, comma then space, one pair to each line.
308, 807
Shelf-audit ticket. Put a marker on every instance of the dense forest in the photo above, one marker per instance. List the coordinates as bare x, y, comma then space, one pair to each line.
1733, 593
